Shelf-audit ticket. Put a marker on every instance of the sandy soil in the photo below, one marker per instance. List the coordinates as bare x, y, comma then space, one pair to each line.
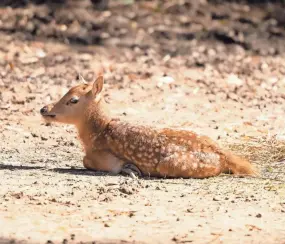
216, 69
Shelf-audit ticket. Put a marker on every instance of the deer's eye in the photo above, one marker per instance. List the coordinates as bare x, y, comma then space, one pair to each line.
74, 100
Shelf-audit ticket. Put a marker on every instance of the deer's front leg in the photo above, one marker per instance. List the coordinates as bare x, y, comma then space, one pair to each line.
103, 161
87, 163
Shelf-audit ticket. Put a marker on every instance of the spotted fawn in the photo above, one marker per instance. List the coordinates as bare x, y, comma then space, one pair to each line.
116, 146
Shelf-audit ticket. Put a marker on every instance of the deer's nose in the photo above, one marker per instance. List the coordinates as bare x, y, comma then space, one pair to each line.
44, 110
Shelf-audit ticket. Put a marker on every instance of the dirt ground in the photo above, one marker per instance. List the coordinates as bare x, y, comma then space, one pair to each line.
217, 69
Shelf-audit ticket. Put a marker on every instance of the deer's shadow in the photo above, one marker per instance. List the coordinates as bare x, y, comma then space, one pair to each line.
72, 171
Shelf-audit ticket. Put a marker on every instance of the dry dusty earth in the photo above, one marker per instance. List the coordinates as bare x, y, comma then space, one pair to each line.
216, 69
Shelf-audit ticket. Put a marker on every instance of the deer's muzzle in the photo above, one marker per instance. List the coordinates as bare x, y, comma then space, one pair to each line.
45, 111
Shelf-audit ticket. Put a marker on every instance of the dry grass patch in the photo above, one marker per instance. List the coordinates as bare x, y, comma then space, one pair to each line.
259, 150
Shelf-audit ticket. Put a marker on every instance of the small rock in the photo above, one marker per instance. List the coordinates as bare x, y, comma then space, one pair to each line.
28, 60
174, 239
234, 80
85, 57
71, 144
165, 80
40, 53
126, 190
43, 138
64, 241
106, 225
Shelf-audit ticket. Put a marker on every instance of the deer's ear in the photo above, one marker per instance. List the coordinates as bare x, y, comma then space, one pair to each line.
98, 85
82, 80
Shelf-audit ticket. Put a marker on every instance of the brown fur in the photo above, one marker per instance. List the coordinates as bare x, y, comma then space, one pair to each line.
110, 143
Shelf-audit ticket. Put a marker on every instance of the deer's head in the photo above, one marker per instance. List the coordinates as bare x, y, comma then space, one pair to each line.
74, 105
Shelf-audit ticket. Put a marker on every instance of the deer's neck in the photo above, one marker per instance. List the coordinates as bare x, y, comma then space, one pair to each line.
93, 125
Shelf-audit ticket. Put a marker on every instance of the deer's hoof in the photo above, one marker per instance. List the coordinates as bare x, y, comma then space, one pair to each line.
131, 170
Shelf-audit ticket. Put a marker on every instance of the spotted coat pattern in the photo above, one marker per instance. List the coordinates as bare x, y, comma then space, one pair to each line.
163, 152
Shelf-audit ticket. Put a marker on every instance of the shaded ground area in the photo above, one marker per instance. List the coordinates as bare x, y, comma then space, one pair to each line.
215, 69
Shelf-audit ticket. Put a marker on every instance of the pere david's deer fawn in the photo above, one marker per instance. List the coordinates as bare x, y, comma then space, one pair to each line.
120, 147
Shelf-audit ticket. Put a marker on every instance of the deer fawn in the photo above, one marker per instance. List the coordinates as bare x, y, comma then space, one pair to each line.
119, 147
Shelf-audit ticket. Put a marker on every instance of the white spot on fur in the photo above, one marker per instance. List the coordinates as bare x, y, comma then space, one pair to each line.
150, 155
132, 146
142, 148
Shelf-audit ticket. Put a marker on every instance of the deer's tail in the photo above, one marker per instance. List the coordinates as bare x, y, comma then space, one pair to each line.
238, 165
